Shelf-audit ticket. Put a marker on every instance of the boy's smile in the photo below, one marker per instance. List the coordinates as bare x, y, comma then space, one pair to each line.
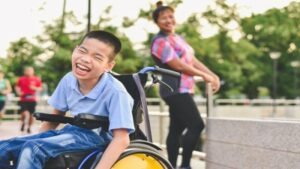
82, 69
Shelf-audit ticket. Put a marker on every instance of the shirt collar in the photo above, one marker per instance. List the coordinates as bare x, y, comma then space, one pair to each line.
95, 92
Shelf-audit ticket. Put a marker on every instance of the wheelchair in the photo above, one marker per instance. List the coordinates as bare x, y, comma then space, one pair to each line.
141, 153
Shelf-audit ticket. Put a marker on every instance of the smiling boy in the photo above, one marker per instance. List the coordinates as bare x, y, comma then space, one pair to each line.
87, 89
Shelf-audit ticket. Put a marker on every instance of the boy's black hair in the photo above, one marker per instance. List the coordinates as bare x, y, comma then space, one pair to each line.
160, 8
105, 37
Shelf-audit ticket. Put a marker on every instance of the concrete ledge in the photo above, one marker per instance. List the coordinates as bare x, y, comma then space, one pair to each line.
241, 143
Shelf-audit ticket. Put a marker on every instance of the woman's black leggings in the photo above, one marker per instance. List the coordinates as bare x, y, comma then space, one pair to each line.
184, 114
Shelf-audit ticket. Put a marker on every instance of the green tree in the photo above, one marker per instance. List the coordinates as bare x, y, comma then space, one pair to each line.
22, 53
275, 30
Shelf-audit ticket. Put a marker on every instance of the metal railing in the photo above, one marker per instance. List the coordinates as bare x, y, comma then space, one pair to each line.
257, 101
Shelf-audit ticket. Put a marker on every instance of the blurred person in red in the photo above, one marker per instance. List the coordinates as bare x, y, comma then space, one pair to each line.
26, 87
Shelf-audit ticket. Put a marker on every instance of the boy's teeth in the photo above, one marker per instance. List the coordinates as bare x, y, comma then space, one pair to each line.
82, 67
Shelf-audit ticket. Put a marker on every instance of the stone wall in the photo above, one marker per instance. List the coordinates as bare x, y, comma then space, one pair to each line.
252, 144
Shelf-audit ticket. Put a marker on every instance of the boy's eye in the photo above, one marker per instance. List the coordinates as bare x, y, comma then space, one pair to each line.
98, 58
81, 50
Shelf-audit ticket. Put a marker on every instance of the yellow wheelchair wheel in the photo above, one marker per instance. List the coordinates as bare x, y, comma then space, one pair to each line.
141, 159
138, 161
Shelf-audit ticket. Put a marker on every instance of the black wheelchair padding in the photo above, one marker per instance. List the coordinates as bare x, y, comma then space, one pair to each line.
132, 89
137, 111
84, 120
70, 160
90, 121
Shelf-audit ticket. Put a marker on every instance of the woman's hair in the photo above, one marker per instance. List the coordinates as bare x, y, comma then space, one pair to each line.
160, 8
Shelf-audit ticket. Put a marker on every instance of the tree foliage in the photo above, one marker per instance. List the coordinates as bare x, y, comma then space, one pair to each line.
243, 64
21, 53
276, 30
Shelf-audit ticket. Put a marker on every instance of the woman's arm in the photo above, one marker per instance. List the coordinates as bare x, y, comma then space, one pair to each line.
181, 67
51, 125
200, 66
116, 147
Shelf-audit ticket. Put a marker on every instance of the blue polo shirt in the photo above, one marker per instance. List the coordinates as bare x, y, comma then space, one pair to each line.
108, 98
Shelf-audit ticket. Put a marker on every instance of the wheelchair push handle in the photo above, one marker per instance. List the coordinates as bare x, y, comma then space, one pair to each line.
156, 69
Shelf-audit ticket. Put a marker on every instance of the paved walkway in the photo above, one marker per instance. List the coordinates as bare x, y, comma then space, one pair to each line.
9, 129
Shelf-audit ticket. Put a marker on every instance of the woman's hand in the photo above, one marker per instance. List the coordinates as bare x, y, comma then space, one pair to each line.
213, 80
208, 78
216, 84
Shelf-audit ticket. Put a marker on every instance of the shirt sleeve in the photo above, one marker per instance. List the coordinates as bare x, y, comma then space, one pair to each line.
163, 50
120, 112
58, 99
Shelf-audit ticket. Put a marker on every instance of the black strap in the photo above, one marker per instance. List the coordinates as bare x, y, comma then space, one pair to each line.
144, 106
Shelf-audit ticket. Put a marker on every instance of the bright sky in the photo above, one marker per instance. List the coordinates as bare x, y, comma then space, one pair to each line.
24, 18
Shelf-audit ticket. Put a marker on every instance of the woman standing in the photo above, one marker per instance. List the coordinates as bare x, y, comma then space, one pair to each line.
5, 88
171, 51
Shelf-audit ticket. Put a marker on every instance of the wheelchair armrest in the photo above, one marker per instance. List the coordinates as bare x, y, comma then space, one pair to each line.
53, 118
90, 121
84, 120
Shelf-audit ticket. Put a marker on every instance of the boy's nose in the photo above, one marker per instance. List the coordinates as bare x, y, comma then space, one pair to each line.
85, 59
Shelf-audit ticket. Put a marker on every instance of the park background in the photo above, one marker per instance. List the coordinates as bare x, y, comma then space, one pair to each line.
255, 53
231, 40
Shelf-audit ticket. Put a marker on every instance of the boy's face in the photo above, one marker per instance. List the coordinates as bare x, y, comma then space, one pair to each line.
91, 58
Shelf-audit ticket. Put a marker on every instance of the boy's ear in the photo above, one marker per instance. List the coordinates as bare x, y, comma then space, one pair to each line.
110, 66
